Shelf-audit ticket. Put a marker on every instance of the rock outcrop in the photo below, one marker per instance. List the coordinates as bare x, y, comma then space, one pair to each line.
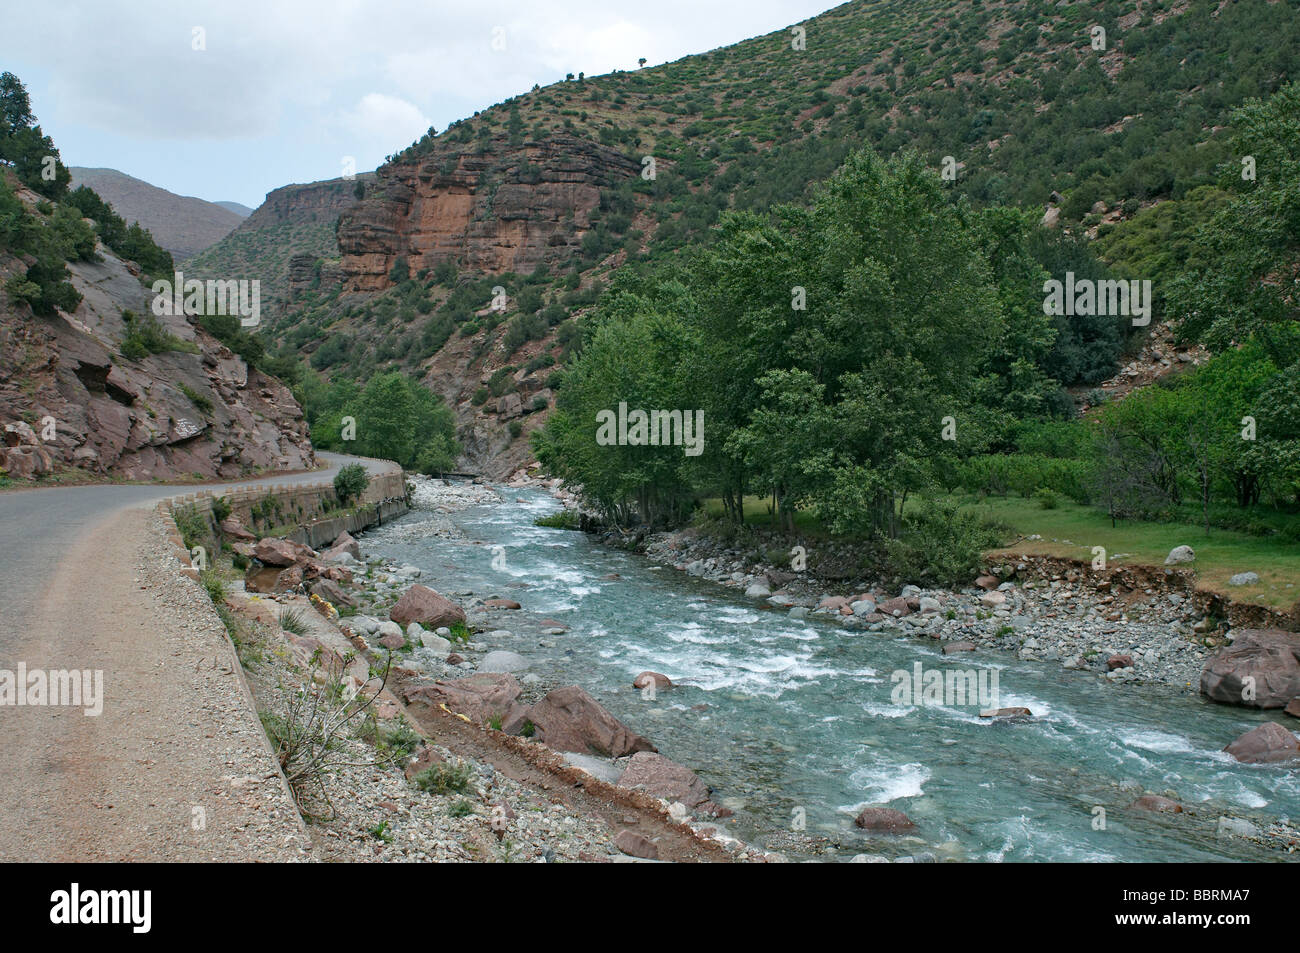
492, 208
196, 410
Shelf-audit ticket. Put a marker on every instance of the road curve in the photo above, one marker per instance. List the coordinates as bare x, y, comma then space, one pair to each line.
175, 766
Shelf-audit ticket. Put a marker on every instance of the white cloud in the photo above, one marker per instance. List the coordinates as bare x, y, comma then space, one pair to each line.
379, 119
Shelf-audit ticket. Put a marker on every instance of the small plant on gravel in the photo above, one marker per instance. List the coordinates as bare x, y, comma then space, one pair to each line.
381, 832
445, 778
460, 632
307, 734
220, 508
528, 729
495, 722
292, 620
193, 527
214, 584
461, 808
398, 742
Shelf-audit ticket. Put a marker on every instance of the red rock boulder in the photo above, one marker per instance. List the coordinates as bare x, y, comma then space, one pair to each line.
421, 604
569, 719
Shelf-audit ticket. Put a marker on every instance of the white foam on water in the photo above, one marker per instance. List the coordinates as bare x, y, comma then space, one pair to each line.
879, 710
883, 783
1162, 742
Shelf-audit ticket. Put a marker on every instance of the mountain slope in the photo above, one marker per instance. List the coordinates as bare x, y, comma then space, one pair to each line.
546, 195
182, 404
181, 224
294, 220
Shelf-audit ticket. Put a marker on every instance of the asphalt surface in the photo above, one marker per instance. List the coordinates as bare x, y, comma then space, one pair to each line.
39, 527
175, 767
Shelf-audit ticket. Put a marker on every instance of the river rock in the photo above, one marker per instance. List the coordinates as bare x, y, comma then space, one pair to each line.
928, 604
636, 845
987, 582
332, 593
863, 607
421, 604
1244, 579
661, 777
482, 696
1293, 709
1007, 713
502, 661
273, 551
569, 719
1180, 554
1119, 661
758, 591
1270, 656
993, 600
1268, 743
952, 647
1156, 803
500, 604
896, 607
660, 682
884, 820
343, 544
438, 645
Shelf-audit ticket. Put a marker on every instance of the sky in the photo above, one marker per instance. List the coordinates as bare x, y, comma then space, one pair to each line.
229, 100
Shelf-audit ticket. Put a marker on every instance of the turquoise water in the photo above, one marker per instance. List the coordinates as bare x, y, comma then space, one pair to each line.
788, 718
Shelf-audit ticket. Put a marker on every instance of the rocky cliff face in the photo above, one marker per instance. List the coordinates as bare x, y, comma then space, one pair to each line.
500, 208
313, 202
69, 398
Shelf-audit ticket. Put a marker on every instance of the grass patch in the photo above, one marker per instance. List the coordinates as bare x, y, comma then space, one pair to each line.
1071, 530
445, 778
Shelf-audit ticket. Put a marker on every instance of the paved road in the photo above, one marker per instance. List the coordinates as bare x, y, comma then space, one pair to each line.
38, 527
175, 767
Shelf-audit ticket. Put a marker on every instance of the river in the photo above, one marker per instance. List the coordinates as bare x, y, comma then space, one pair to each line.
792, 723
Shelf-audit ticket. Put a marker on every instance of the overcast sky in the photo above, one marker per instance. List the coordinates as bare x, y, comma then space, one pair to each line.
283, 90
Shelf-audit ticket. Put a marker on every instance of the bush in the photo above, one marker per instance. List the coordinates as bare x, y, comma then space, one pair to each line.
942, 544
561, 519
1046, 499
350, 482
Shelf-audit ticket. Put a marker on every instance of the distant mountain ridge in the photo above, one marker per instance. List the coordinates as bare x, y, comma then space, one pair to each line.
182, 224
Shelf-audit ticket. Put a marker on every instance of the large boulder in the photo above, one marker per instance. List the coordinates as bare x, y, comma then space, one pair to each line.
481, 697
1266, 744
421, 604
885, 820
281, 552
660, 777
501, 661
660, 682
569, 719
232, 528
343, 544
332, 593
1179, 555
1270, 657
